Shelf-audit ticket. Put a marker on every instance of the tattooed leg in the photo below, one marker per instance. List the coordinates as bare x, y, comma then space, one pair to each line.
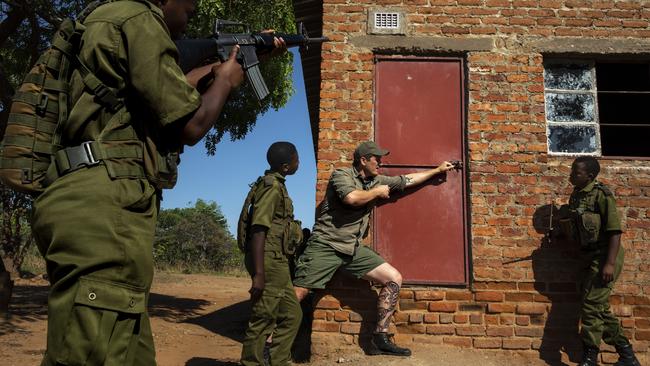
386, 304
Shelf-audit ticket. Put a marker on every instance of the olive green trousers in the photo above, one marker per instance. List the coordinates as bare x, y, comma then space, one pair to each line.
96, 235
277, 311
597, 321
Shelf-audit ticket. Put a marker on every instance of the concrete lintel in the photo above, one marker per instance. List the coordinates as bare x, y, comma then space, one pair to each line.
380, 42
608, 46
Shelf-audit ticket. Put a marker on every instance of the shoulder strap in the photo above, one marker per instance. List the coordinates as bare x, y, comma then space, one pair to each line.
245, 214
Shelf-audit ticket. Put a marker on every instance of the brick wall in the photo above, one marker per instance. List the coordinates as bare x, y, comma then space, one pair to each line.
524, 292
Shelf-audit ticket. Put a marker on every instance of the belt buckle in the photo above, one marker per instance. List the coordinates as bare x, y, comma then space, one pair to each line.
81, 155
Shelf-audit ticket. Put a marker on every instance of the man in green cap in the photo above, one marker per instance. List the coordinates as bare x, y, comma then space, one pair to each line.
95, 223
594, 223
341, 225
271, 233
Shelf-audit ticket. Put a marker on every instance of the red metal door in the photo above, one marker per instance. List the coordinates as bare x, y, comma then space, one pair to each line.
419, 117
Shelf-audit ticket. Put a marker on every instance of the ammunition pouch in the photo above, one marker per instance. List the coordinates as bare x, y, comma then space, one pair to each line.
292, 239
588, 224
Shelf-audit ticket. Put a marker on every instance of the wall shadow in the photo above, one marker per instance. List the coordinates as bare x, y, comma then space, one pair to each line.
230, 321
174, 309
28, 304
556, 271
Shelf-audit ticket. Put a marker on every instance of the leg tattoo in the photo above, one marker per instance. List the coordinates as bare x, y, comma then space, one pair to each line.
386, 304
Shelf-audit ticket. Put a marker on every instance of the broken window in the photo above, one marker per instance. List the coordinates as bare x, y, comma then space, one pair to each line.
597, 107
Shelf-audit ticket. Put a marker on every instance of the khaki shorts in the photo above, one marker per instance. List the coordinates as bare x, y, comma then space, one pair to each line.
319, 262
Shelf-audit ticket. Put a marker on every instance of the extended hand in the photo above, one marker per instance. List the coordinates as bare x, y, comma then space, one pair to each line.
445, 166
280, 46
608, 273
257, 288
229, 71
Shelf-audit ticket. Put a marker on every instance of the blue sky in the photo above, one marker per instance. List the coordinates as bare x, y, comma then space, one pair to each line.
224, 177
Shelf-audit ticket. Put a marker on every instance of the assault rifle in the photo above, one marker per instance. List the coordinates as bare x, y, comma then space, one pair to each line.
196, 52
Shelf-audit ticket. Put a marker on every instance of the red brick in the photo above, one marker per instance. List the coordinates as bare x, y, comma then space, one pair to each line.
516, 343
341, 316
443, 307
458, 341
440, 329
351, 328
472, 330
489, 295
499, 331
531, 309
642, 335
500, 308
324, 326
429, 295
459, 295
491, 343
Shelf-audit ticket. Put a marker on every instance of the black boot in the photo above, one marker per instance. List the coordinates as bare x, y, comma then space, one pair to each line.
386, 347
589, 356
626, 356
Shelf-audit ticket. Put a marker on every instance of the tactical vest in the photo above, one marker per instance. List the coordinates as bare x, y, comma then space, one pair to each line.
586, 217
33, 152
285, 233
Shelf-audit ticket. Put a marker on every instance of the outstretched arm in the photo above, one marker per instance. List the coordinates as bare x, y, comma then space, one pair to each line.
414, 179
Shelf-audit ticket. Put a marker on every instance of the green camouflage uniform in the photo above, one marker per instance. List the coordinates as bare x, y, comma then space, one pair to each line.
95, 225
594, 217
278, 310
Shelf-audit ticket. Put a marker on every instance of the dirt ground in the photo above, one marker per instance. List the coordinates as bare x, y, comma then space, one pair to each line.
198, 320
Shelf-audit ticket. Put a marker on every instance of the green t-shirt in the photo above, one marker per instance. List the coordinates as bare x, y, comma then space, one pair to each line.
343, 226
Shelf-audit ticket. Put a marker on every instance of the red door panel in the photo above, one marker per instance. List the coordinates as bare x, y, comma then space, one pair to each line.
419, 118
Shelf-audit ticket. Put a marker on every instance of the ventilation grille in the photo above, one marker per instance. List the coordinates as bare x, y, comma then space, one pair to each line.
386, 20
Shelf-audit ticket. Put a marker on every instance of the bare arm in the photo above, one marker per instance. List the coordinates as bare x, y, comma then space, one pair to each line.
612, 253
258, 237
414, 179
198, 73
227, 76
360, 197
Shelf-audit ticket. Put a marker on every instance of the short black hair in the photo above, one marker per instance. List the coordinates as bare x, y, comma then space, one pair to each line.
591, 164
279, 153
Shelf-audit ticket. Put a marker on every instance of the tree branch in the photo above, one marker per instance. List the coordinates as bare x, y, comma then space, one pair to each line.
10, 24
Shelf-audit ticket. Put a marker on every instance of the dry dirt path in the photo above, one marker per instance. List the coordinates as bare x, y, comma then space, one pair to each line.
198, 320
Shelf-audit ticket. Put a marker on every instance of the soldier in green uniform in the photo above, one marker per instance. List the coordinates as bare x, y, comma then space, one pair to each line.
95, 223
594, 223
341, 225
272, 232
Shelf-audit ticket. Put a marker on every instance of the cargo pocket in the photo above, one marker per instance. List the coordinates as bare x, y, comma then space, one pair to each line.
105, 319
266, 307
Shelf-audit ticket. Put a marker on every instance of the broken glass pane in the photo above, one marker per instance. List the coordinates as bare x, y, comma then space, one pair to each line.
568, 76
570, 107
572, 139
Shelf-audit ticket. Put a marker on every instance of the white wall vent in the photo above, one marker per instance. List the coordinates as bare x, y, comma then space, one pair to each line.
387, 20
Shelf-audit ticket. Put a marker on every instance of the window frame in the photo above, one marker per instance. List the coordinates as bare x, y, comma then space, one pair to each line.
591, 63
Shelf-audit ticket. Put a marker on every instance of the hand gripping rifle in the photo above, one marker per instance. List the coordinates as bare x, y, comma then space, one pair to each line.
196, 52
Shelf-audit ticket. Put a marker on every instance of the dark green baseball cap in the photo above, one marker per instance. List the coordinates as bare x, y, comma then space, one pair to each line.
369, 148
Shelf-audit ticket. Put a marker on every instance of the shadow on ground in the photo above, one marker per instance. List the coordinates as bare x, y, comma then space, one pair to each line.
175, 309
201, 361
28, 304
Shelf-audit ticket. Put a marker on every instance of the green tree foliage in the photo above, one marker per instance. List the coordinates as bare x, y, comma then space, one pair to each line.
240, 114
195, 239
